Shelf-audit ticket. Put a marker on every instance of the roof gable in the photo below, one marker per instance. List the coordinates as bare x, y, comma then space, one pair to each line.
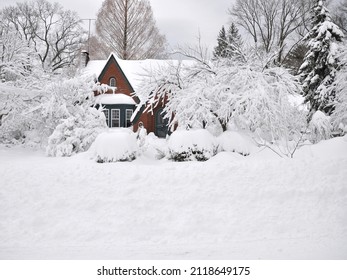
112, 60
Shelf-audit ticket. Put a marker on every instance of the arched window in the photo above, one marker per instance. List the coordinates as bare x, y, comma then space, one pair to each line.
112, 82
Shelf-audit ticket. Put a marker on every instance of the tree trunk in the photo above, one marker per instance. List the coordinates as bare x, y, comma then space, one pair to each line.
125, 35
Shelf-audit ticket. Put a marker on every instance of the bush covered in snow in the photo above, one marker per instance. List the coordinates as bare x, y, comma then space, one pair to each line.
115, 145
154, 146
232, 141
195, 144
319, 127
17, 110
60, 111
76, 133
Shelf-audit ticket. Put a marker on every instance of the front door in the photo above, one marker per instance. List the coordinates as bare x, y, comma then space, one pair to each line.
161, 124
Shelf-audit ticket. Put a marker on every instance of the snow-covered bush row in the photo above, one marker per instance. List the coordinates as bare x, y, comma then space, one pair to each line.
195, 144
115, 145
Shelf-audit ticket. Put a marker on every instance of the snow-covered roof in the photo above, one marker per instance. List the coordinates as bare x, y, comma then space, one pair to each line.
94, 68
116, 98
134, 70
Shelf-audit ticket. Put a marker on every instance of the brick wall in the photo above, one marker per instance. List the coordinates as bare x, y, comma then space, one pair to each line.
122, 85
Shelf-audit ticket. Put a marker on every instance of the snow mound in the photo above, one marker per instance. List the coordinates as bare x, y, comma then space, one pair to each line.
115, 145
197, 144
232, 141
332, 148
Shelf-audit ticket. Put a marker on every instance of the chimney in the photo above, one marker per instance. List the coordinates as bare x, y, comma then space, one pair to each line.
85, 58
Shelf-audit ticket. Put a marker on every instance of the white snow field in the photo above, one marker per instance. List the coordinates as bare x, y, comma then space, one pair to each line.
229, 207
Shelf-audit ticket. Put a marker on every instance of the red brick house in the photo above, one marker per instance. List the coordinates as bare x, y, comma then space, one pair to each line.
122, 78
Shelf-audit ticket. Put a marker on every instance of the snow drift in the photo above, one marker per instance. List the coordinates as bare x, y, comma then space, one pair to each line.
229, 207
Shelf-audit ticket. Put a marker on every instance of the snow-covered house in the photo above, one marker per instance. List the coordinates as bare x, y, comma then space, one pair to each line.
118, 80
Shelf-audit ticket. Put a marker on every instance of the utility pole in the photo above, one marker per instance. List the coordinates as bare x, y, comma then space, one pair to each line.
89, 20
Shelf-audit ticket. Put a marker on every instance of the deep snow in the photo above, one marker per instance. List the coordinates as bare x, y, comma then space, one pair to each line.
229, 207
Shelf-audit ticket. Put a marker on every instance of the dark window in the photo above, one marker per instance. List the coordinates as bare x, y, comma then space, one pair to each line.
161, 124
128, 114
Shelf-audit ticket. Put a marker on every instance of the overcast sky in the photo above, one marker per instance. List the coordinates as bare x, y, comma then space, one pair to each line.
179, 20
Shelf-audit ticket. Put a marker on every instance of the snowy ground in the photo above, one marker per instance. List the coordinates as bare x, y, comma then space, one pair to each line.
230, 207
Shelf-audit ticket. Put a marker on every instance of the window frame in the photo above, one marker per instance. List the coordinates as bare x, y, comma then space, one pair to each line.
126, 117
107, 116
112, 119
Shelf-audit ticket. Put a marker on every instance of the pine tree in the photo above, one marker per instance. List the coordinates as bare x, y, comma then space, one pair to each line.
229, 42
318, 71
220, 50
234, 39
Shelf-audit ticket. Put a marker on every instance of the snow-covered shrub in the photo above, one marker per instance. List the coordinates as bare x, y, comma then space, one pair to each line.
195, 144
150, 145
319, 127
258, 101
233, 141
76, 133
155, 147
17, 113
339, 117
28, 113
116, 145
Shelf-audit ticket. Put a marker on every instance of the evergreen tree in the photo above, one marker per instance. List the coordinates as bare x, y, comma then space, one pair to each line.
318, 71
220, 50
229, 43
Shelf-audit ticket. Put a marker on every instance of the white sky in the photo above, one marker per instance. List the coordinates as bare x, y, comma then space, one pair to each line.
179, 20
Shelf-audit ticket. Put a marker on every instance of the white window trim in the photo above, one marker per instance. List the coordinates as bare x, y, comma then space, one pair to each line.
115, 118
108, 116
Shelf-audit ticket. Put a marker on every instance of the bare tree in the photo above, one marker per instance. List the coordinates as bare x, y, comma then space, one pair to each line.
295, 57
272, 23
14, 53
128, 28
54, 34
97, 48
339, 15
